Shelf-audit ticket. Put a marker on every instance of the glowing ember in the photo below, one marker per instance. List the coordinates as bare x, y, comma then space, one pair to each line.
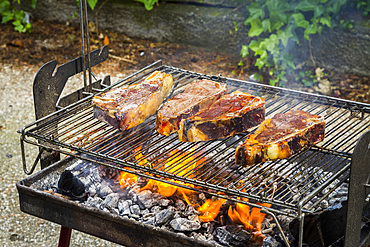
251, 219
210, 209
126, 179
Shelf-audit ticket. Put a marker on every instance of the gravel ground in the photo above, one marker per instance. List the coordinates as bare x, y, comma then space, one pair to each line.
16, 110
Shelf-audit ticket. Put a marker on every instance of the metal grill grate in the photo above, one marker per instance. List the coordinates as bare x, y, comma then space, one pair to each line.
210, 166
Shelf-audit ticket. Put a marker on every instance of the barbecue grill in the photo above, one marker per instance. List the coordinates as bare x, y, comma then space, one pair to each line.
67, 126
72, 130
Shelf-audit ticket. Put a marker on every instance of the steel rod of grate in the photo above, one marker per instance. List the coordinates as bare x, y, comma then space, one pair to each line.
301, 190
206, 153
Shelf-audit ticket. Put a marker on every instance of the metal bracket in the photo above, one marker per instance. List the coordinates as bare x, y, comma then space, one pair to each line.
48, 86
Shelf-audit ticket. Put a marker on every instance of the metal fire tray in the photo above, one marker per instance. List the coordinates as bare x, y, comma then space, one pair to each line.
285, 184
87, 219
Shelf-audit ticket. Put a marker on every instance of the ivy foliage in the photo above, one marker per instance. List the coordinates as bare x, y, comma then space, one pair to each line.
18, 17
274, 24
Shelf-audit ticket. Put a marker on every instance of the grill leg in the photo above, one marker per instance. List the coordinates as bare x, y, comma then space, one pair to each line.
64, 237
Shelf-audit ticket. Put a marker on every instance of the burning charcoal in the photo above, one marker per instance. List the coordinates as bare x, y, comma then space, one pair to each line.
149, 199
233, 235
193, 218
189, 210
155, 209
182, 224
202, 197
164, 216
270, 242
135, 217
94, 202
147, 215
150, 221
135, 209
71, 186
208, 226
104, 189
198, 236
164, 202
180, 205
124, 207
111, 201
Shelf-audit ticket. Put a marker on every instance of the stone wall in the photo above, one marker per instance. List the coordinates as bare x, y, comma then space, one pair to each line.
207, 23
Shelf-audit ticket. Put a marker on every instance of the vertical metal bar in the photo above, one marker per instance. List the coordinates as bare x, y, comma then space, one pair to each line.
88, 46
83, 44
360, 173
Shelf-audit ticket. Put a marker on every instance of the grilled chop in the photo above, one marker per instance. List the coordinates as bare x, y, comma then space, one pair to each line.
232, 114
127, 107
281, 137
197, 95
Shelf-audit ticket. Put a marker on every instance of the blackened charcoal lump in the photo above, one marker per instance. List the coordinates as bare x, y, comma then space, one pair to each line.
71, 186
233, 235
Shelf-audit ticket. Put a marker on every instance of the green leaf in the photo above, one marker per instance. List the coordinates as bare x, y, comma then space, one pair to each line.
284, 35
148, 3
266, 24
305, 6
276, 25
311, 29
260, 63
8, 16
4, 6
300, 21
244, 51
319, 10
326, 21
92, 3
254, 13
256, 28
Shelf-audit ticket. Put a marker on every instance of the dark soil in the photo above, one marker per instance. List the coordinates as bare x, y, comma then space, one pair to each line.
48, 41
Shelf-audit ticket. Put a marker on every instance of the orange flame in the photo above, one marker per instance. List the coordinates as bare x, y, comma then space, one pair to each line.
126, 179
180, 164
210, 209
251, 219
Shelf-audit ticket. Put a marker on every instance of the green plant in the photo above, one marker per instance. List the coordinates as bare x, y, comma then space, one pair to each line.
275, 24
9, 13
148, 3
307, 78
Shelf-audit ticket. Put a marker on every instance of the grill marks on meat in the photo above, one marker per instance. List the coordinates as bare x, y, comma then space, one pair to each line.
281, 137
197, 95
230, 115
128, 106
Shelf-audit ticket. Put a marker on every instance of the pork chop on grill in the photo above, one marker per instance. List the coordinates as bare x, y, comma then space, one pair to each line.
197, 95
280, 137
232, 114
128, 106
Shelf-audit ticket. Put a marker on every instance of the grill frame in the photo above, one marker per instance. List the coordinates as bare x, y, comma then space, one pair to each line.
349, 110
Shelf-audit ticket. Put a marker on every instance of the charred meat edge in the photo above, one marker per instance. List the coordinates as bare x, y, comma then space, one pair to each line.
252, 152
